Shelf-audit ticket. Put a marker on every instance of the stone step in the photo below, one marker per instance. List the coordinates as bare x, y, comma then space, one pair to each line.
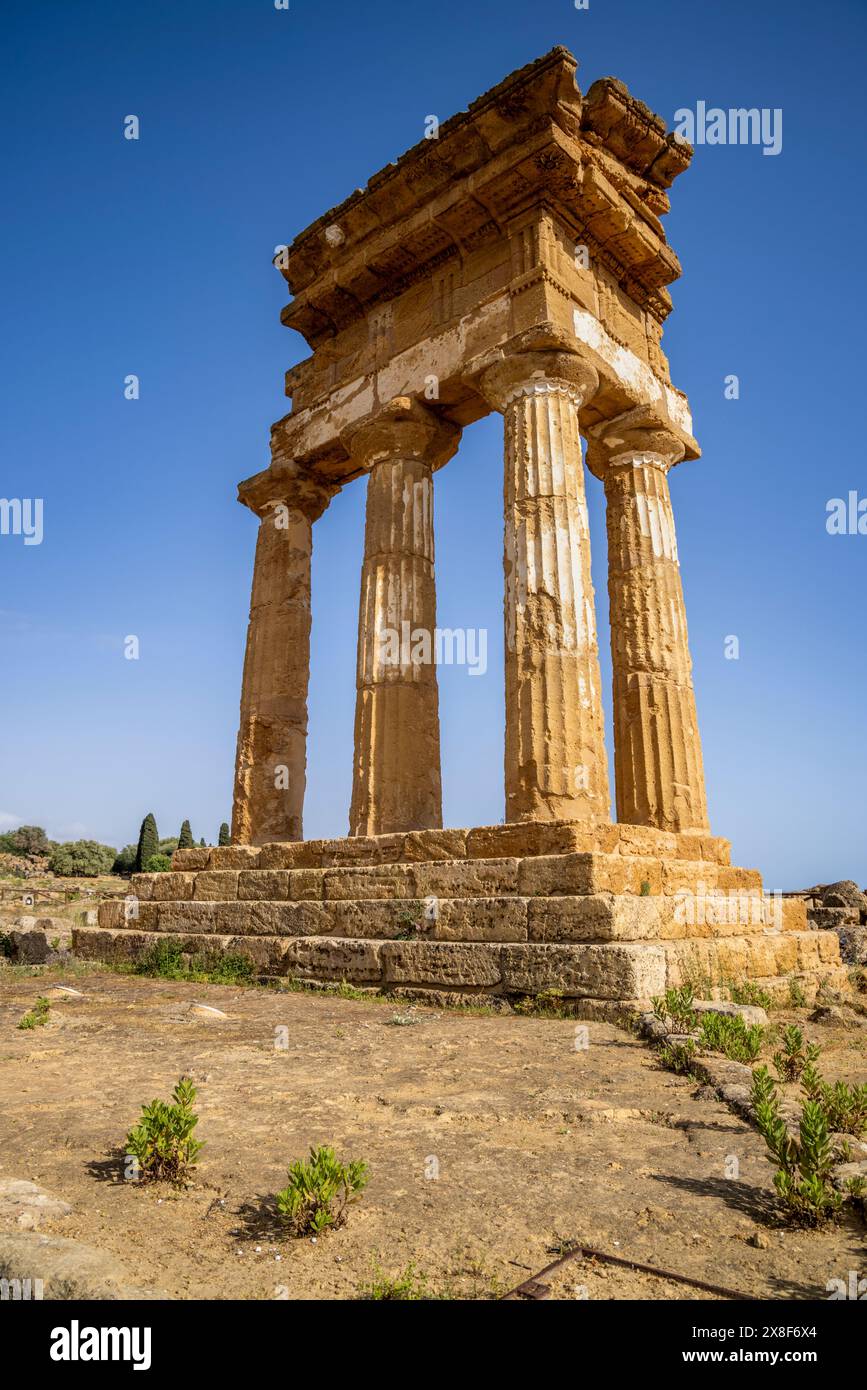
571, 873
485, 842
614, 971
588, 917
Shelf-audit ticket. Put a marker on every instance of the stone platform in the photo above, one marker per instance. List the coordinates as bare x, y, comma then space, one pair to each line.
608, 916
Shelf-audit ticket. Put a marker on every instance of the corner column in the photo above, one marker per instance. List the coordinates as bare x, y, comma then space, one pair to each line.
659, 770
556, 766
271, 759
396, 781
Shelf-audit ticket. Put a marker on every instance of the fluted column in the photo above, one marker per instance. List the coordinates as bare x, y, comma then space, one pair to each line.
271, 760
396, 779
659, 772
556, 767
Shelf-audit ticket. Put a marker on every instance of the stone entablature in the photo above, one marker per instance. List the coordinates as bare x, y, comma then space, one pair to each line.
469, 240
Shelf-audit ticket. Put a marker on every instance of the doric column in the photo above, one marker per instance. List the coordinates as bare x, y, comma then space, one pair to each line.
396, 781
657, 750
271, 761
556, 766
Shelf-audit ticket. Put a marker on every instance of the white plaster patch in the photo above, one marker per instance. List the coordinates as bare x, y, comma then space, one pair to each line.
629, 368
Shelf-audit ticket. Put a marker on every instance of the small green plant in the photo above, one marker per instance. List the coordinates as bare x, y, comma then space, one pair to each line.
548, 1003
406, 1286
645, 889
162, 1142
803, 1177
797, 997
793, 1057
319, 1191
748, 992
36, 1017
679, 1057
732, 1037
844, 1107
676, 1006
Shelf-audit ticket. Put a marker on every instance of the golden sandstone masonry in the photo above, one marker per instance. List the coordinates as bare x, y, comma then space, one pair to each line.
517, 263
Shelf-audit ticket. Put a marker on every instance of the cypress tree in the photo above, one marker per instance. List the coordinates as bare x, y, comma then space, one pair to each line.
148, 842
224, 836
185, 839
202, 844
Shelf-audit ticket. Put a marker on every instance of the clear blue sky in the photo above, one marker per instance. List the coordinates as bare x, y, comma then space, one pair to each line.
155, 258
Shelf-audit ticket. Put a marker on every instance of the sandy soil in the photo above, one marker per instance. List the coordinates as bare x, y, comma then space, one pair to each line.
535, 1141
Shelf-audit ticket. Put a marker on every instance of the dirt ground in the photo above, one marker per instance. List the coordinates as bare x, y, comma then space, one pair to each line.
491, 1139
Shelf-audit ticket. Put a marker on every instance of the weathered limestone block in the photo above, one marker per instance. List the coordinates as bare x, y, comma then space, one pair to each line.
178, 918
623, 971
233, 857
175, 887
547, 875
271, 761
271, 919
659, 772
556, 764
396, 782
470, 964
384, 918
425, 845
750, 957
466, 878
198, 858
307, 885
596, 917
305, 854
387, 881
111, 913
364, 849
539, 837
481, 919
216, 885
257, 884
329, 958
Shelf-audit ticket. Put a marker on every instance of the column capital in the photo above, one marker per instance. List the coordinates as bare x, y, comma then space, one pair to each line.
289, 485
636, 436
404, 429
538, 372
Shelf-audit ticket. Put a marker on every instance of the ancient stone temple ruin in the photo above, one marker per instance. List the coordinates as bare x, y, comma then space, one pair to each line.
515, 263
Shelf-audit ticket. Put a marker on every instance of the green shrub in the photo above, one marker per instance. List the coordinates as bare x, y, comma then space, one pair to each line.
844, 1107
675, 1006
166, 959
319, 1191
82, 858
679, 1057
36, 1017
224, 837
803, 1177
793, 1056
158, 864
162, 1142
748, 992
732, 1037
